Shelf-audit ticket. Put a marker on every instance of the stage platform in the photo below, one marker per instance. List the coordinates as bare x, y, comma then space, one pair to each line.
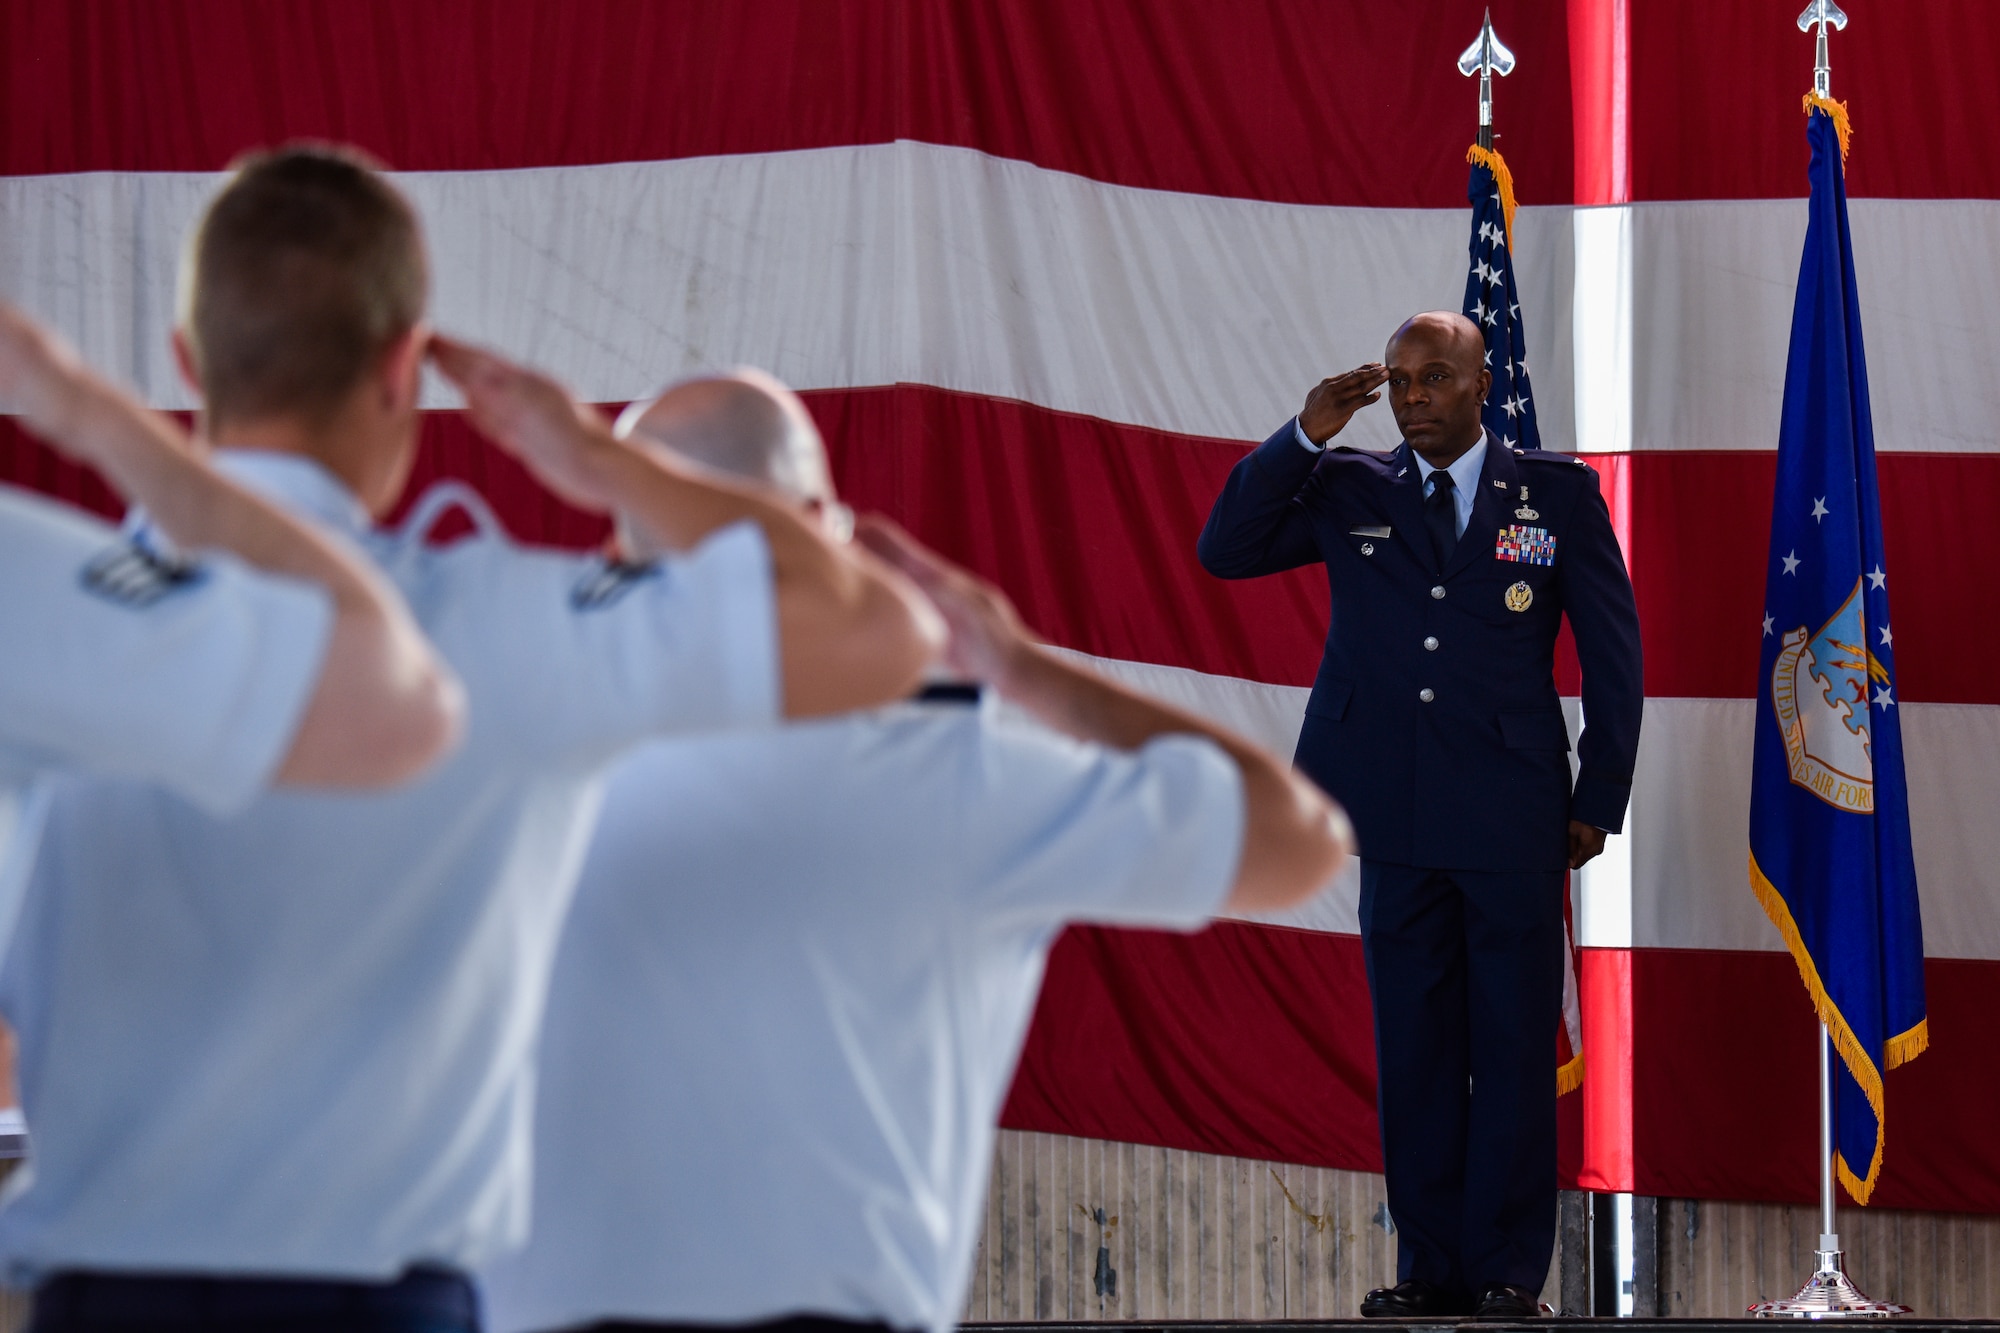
1451, 1325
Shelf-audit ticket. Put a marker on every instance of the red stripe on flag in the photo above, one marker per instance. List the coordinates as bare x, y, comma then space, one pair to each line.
1723, 1097
1716, 89
1091, 526
1605, 980
1247, 1040
1298, 101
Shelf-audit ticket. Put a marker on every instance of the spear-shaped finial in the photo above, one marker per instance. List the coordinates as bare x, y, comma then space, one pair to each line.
1486, 57
1821, 13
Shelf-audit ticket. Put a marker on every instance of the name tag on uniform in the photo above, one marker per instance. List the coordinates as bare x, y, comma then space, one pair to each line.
1527, 546
1381, 531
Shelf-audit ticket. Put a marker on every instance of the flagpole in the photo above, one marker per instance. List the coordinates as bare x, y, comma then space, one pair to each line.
1829, 1293
1829, 1238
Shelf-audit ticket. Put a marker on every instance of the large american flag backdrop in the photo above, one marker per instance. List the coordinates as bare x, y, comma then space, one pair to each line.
1045, 269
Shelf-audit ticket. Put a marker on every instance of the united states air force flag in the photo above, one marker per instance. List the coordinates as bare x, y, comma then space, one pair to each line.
1829, 813
1492, 303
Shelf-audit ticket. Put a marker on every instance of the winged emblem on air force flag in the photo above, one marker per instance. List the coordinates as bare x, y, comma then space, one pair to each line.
1820, 692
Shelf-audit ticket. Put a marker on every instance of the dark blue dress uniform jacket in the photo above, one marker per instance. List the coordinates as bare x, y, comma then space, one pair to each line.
1478, 778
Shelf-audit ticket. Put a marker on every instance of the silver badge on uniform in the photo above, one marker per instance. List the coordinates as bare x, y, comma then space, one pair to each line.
136, 576
610, 581
1525, 514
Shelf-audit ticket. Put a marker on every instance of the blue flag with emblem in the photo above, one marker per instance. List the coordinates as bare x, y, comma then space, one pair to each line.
1829, 811
1492, 302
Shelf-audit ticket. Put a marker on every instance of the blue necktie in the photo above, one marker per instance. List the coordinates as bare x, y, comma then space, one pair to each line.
1441, 517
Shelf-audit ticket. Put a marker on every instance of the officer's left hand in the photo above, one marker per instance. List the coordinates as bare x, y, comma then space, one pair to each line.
1585, 842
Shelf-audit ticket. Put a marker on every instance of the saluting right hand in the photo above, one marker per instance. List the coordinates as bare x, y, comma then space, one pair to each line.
987, 635
40, 376
1335, 399
530, 415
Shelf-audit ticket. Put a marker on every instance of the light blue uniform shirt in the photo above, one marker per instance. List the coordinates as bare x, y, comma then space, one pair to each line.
792, 992
296, 1041
192, 677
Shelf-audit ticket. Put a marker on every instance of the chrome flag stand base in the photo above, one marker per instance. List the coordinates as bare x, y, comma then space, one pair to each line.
1828, 1294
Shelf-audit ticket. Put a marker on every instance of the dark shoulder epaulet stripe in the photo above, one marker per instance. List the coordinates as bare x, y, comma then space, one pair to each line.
948, 692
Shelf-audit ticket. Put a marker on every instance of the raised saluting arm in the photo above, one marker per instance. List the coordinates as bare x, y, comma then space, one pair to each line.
852, 633
1256, 526
385, 706
1294, 837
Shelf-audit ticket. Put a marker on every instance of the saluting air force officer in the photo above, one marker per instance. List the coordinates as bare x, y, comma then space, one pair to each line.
1434, 719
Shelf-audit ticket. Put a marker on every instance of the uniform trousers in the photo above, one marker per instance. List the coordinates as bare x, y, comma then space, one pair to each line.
1465, 969
423, 1300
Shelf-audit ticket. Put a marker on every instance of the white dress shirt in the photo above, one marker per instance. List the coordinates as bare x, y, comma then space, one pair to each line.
790, 997
296, 1041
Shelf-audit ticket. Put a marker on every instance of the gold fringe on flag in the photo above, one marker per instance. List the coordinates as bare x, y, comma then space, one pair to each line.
1838, 112
1898, 1050
1490, 159
1570, 1077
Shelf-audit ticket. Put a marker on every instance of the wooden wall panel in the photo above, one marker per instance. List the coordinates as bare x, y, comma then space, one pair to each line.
1185, 1235
1718, 1258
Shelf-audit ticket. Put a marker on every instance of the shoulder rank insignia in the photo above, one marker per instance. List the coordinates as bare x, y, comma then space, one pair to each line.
609, 581
1525, 514
1524, 545
137, 576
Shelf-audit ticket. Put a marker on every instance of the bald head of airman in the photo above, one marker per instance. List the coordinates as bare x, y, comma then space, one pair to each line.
1437, 383
743, 423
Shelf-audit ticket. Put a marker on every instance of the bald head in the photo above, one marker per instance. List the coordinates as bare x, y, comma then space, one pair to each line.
744, 423
1446, 332
1437, 383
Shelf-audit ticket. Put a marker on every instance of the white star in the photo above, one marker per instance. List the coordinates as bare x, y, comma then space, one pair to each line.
1506, 441
1511, 407
1521, 367
1523, 402
1819, 509
1499, 238
1491, 318
1792, 562
1888, 639
1496, 197
1877, 579
1485, 231
1483, 273
1882, 699
1767, 624
1489, 357
1479, 310
1514, 310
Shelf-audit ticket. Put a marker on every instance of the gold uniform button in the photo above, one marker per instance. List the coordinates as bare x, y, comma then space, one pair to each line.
1438, 591
1427, 694
1431, 644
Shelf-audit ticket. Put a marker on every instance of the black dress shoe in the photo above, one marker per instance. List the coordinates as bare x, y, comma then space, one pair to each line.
1502, 1302
1412, 1299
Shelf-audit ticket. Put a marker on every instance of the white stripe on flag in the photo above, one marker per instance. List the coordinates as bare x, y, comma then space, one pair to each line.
851, 267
